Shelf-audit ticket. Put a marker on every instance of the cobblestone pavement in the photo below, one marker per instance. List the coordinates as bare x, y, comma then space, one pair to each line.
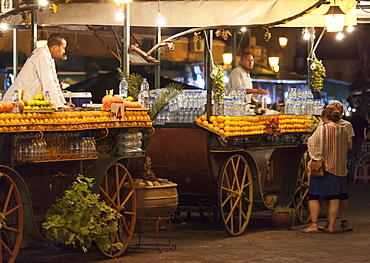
203, 240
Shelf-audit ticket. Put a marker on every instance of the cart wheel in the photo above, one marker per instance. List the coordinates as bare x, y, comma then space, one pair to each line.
118, 191
11, 218
235, 194
300, 200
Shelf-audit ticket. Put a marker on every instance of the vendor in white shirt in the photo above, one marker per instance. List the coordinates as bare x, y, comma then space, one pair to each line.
38, 74
240, 78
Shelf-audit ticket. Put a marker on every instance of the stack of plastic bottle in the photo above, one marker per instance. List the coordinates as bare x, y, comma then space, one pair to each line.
81, 147
301, 102
31, 150
143, 96
236, 103
184, 108
128, 143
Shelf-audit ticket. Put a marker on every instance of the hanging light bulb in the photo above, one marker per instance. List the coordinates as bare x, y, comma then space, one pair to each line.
339, 36
350, 28
161, 21
3, 26
243, 29
43, 2
119, 15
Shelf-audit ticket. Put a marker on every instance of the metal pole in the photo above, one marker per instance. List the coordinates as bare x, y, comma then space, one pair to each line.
157, 75
33, 29
234, 48
126, 40
207, 68
15, 52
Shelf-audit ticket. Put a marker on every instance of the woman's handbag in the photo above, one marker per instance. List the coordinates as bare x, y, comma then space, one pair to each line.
317, 166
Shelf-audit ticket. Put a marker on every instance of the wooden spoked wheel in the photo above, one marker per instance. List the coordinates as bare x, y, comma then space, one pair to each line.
11, 218
235, 194
300, 200
118, 191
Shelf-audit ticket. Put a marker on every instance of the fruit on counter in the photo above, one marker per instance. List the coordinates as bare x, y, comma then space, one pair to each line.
15, 122
106, 105
107, 98
136, 115
38, 96
237, 126
117, 99
6, 106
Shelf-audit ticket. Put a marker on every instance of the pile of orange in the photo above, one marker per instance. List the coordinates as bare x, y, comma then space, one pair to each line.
237, 126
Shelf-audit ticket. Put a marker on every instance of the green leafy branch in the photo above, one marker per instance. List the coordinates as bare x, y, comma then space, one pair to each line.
80, 218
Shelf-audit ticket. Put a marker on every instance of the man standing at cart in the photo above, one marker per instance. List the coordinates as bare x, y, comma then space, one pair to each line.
39, 74
241, 79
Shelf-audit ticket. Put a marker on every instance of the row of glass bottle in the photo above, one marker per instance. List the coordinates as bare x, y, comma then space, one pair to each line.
81, 147
31, 150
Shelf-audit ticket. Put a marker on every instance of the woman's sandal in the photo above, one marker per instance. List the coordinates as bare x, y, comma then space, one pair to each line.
307, 231
329, 232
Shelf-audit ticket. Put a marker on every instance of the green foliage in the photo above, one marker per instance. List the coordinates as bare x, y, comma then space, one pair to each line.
218, 85
80, 218
134, 82
2, 223
164, 97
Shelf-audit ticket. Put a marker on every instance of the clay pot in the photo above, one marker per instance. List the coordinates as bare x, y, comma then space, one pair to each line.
282, 220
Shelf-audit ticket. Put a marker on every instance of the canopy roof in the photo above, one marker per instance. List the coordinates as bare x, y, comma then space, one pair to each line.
198, 13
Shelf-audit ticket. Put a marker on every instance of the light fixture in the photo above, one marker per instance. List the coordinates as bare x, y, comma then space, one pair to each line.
3, 26
42, 40
308, 32
283, 41
227, 58
339, 36
43, 2
160, 20
350, 28
334, 19
243, 29
273, 61
119, 15
122, 1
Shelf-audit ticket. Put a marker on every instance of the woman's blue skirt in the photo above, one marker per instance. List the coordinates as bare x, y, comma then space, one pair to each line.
329, 184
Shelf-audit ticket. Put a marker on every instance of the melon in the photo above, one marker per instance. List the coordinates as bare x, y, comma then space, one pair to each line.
108, 98
117, 99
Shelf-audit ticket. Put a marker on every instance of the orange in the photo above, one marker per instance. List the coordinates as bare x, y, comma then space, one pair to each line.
221, 125
215, 123
205, 123
210, 126
220, 119
203, 117
216, 129
212, 118
198, 120
227, 128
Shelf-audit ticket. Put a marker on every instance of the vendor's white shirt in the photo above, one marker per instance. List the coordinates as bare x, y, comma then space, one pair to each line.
239, 79
38, 74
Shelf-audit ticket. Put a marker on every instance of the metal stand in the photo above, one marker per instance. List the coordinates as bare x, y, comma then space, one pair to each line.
157, 244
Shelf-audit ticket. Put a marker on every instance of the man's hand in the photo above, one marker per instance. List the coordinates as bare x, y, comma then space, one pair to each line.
262, 92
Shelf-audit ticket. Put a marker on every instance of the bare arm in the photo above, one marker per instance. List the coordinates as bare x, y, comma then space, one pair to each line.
349, 143
258, 91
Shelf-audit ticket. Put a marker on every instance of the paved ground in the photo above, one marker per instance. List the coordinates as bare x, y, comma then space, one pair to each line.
202, 240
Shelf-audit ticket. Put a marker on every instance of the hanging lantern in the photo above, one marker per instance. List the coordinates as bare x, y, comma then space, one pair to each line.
334, 19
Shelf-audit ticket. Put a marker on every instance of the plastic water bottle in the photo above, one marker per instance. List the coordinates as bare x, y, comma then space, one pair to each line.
234, 99
15, 101
123, 88
141, 99
47, 95
145, 88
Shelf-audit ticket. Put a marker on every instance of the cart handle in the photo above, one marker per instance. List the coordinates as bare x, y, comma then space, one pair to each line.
37, 140
151, 133
105, 133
